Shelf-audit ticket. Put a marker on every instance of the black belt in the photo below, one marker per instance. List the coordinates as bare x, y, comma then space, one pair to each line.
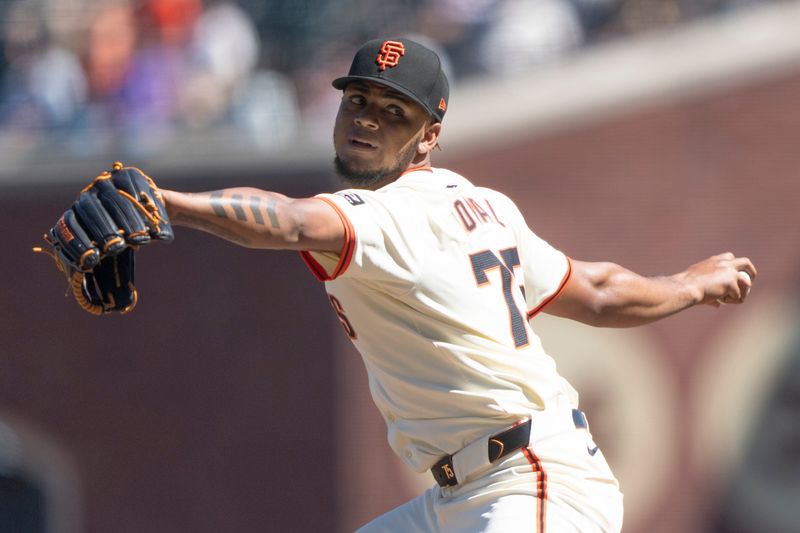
500, 445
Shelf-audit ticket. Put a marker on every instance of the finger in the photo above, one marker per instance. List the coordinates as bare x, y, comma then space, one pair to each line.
733, 292
737, 293
98, 224
744, 279
745, 265
73, 244
124, 214
142, 192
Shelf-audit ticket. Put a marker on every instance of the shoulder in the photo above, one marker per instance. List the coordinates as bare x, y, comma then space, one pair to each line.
351, 197
500, 201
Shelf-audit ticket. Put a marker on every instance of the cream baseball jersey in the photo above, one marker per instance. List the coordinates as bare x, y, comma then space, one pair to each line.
435, 285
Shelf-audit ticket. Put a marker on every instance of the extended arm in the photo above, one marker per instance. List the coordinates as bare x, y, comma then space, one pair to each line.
606, 294
259, 219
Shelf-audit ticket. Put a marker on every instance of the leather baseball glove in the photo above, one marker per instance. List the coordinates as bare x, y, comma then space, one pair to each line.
93, 243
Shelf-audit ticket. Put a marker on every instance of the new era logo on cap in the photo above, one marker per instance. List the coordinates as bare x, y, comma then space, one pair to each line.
407, 67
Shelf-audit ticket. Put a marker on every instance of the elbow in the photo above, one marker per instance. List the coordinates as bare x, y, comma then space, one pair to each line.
607, 295
607, 303
286, 237
599, 311
609, 309
599, 301
282, 227
591, 309
292, 234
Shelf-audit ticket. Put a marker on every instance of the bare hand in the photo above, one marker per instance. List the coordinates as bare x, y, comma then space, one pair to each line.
720, 279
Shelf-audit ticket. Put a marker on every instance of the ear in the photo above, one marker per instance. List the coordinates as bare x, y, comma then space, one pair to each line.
430, 138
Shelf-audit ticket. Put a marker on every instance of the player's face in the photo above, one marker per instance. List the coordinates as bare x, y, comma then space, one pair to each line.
377, 134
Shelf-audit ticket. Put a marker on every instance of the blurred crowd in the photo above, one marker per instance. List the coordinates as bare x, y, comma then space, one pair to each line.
139, 76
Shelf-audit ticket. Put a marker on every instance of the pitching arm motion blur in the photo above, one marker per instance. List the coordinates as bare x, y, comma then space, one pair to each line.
259, 219
608, 295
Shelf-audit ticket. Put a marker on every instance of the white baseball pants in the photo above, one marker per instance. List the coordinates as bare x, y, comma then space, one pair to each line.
561, 483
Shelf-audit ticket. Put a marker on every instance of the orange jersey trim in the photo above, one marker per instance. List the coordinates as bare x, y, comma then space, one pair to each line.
564, 282
541, 489
345, 256
426, 168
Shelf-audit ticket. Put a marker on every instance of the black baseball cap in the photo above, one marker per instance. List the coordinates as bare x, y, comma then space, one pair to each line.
407, 67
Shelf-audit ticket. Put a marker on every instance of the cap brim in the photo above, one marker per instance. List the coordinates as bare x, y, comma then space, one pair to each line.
341, 83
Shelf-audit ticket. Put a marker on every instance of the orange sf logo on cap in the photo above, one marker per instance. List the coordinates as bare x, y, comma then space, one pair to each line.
391, 51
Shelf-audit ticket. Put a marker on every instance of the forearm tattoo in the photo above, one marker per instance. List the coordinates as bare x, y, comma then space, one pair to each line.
272, 211
217, 228
238, 203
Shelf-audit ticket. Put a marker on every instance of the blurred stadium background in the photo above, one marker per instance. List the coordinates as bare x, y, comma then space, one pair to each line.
648, 132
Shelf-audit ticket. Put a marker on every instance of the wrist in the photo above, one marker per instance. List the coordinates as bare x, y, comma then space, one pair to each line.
692, 291
170, 202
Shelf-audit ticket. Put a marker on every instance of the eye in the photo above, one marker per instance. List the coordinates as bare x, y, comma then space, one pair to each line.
396, 110
356, 99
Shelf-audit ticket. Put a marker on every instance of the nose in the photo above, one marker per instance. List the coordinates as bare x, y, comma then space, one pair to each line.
366, 118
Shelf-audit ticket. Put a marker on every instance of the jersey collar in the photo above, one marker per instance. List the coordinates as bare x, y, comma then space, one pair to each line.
427, 178
426, 168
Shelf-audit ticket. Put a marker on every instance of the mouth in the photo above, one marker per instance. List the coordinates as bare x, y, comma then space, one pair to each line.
360, 143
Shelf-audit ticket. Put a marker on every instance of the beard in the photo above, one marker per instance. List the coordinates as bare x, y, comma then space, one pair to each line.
366, 179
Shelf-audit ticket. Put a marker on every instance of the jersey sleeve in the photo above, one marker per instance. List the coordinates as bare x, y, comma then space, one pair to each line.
546, 270
327, 266
367, 231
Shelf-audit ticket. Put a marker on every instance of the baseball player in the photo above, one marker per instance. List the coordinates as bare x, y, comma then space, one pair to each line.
434, 279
